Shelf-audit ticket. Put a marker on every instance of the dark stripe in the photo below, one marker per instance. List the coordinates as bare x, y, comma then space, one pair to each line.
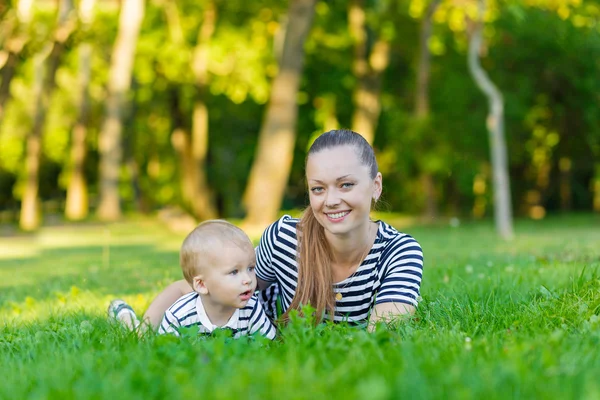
290, 273
358, 303
395, 279
394, 301
407, 291
395, 245
169, 323
289, 253
191, 314
185, 302
356, 282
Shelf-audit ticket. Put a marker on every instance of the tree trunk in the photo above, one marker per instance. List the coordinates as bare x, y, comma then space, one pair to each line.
595, 186
77, 206
368, 69
424, 67
14, 46
181, 137
110, 146
495, 126
564, 165
271, 168
201, 200
181, 140
45, 77
192, 147
422, 104
29, 218
7, 73
429, 195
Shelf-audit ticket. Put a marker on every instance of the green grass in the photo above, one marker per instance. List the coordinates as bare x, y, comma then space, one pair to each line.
497, 320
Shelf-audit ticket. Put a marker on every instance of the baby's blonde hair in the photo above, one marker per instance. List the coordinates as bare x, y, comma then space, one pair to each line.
206, 239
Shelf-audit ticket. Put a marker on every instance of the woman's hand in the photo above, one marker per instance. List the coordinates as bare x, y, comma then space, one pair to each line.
163, 301
388, 312
262, 285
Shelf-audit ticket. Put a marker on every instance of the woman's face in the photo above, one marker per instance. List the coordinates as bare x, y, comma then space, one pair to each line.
341, 189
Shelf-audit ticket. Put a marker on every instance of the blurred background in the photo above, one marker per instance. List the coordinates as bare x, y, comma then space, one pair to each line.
111, 107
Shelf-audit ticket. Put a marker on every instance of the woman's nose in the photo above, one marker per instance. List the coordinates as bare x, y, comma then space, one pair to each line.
332, 199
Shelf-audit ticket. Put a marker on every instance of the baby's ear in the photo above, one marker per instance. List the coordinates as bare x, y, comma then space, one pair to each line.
199, 286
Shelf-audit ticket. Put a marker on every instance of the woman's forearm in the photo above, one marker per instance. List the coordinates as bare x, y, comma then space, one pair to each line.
164, 300
389, 312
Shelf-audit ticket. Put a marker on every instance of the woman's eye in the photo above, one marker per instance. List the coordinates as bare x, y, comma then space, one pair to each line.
347, 185
316, 190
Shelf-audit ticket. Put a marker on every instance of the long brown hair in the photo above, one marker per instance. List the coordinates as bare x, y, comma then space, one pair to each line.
315, 277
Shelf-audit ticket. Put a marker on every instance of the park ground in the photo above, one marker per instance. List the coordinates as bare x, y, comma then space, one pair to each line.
518, 319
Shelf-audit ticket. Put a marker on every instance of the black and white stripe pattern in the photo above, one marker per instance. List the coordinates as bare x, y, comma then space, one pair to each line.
391, 272
188, 311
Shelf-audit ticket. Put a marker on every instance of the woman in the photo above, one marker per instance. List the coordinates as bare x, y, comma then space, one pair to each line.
348, 267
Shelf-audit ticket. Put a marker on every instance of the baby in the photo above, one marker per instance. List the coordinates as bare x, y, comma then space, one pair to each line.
218, 260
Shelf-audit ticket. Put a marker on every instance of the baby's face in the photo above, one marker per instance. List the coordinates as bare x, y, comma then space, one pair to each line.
230, 278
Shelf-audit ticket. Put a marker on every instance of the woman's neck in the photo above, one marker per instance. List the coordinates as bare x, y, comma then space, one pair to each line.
349, 250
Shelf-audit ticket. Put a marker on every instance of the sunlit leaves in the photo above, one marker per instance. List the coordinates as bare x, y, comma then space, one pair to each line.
242, 62
11, 148
15, 124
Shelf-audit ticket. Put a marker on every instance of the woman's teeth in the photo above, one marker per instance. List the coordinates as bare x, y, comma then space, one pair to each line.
338, 215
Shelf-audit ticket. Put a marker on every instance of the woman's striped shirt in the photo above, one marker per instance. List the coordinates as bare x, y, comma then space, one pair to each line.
391, 272
188, 311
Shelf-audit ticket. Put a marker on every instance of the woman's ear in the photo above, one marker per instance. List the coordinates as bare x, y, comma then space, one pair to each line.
199, 285
377, 186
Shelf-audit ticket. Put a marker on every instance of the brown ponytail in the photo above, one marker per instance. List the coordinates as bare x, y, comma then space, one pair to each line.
315, 279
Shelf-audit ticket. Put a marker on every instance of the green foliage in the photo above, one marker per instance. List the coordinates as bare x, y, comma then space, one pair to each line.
533, 53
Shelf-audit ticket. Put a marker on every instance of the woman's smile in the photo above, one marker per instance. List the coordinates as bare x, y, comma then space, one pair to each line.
337, 216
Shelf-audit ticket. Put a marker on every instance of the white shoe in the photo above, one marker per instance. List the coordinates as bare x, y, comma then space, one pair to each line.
120, 311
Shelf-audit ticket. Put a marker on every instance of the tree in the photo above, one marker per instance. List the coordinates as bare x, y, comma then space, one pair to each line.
271, 168
495, 126
12, 49
77, 194
368, 65
193, 149
421, 113
110, 146
46, 63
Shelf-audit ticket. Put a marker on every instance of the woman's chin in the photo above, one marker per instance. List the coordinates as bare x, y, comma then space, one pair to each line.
338, 228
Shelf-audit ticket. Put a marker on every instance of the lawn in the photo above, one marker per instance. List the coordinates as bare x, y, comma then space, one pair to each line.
516, 319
